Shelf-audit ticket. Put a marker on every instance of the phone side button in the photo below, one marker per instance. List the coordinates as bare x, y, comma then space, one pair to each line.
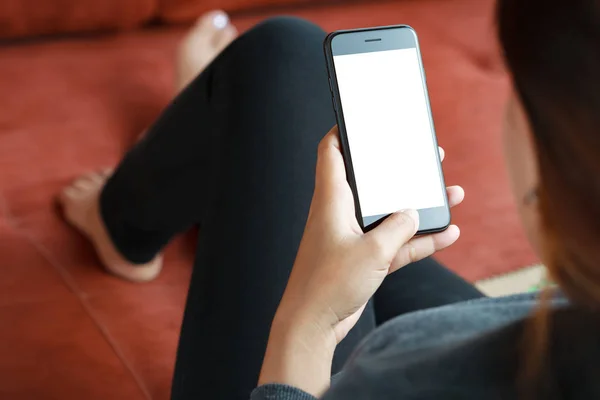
334, 107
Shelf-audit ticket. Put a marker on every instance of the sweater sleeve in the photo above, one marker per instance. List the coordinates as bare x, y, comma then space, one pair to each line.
274, 391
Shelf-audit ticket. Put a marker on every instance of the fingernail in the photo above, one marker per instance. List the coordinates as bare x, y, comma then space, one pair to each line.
220, 20
414, 214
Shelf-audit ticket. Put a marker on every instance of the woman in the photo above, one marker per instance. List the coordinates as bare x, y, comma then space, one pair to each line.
235, 153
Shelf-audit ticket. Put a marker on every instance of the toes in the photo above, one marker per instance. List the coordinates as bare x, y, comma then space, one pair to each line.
224, 37
201, 36
212, 20
98, 178
201, 33
85, 184
68, 193
81, 184
101, 176
209, 22
107, 172
220, 20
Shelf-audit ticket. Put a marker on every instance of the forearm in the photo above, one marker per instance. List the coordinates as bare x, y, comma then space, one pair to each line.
299, 354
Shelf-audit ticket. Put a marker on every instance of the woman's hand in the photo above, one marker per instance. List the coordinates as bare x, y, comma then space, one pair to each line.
337, 270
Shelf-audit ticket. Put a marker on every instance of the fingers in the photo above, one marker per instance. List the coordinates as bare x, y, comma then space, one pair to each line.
330, 164
442, 153
386, 240
423, 246
456, 195
420, 247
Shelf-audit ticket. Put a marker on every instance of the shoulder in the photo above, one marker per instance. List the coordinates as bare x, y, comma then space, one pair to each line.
484, 361
447, 324
478, 367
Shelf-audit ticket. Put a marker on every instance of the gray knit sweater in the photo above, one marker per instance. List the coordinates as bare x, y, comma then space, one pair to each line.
471, 350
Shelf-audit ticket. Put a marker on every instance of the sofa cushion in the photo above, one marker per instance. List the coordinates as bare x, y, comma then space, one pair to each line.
73, 106
20, 18
189, 10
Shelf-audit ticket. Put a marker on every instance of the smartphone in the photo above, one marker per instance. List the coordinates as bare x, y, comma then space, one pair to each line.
379, 93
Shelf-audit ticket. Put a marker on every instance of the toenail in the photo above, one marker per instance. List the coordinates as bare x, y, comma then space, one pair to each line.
220, 20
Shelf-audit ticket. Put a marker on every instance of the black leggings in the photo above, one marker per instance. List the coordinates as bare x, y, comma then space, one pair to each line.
235, 153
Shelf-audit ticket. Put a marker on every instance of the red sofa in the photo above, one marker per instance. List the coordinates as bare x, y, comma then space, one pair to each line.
74, 104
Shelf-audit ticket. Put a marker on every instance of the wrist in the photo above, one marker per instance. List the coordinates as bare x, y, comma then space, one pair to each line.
294, 329
299, 353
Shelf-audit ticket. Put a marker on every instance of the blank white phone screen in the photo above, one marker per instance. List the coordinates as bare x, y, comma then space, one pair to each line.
389, 131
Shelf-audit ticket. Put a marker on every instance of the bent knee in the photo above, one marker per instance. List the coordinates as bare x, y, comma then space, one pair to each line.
285, 31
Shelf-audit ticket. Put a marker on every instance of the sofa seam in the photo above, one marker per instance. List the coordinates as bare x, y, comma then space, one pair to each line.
72, 286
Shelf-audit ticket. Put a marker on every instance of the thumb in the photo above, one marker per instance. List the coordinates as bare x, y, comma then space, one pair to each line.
330, 164
393, 233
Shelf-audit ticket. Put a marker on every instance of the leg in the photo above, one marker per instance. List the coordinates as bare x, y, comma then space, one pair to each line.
269, 106
421, 285
83, 202
235, 151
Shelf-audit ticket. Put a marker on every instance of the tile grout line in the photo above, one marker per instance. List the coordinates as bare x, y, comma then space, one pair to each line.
71, 284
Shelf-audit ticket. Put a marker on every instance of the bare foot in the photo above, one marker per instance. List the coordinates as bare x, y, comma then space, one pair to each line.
205, 40
80, 202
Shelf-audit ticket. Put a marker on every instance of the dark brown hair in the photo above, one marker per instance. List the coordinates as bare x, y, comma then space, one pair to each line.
552, 50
